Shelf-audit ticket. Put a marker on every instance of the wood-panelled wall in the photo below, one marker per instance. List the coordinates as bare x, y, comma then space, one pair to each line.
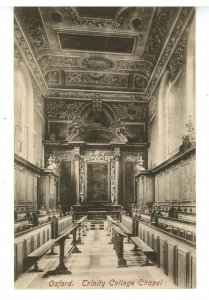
176, 257
176, 183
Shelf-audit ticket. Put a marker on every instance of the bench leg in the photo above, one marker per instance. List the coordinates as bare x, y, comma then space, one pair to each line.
79, 236
36, 268
75, 250
108, 229
122, 263
128, 240
135, 248
118, 246
52, 251
62, 269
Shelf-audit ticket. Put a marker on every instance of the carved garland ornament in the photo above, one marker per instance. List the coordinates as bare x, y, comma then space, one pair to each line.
33, 26
131, 111
159, 30
63, 109
55, 93
103, 79
137, 66
97, 63
73, 18
47, 61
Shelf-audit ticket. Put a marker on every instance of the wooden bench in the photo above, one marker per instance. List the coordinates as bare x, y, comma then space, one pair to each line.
62, 269
148, 251
33, 257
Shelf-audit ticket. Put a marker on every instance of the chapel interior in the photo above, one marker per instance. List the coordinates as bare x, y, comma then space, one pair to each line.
104, 140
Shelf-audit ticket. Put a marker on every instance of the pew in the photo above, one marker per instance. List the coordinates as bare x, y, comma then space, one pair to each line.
148, 251
117, 239
33, 257
124, 229
62, 269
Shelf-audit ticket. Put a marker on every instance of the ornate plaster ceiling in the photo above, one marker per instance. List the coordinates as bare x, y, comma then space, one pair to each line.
99, 49
108, 56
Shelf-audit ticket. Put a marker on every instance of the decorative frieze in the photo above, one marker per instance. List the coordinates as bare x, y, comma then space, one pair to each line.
153, 104
28, 55
102, 79
47, 61
63, 109
38, 97
143, 67
177, 58
90, 95
183, 19
98, 156
160, 26
131, 111
74, 19
17, 56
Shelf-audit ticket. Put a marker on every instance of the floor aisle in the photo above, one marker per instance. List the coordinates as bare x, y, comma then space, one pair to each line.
96, 267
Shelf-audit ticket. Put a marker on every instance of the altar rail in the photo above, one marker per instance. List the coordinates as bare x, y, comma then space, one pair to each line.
28, 241
97, 215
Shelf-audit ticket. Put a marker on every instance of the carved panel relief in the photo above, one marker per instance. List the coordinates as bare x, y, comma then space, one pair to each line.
103, 79
33, 25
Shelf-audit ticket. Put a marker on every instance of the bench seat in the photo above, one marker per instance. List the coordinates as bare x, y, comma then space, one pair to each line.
41, 250
148, 251
33, 257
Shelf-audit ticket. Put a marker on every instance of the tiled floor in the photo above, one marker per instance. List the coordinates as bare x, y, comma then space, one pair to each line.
96, 267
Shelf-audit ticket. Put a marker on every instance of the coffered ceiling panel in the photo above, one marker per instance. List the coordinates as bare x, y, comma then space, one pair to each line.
100, 49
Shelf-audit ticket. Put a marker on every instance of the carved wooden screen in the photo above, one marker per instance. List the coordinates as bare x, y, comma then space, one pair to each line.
98, 185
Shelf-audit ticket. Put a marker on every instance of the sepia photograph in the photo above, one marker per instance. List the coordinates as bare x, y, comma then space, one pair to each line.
104, 147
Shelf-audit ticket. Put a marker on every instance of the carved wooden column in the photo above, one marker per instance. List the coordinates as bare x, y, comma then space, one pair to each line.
117, 165
77, 175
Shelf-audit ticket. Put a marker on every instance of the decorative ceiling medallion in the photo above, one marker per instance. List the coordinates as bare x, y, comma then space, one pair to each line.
140, 82
56, 17
97, 63
136, 23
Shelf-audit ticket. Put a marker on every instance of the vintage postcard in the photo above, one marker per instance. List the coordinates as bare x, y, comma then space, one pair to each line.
105, 147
